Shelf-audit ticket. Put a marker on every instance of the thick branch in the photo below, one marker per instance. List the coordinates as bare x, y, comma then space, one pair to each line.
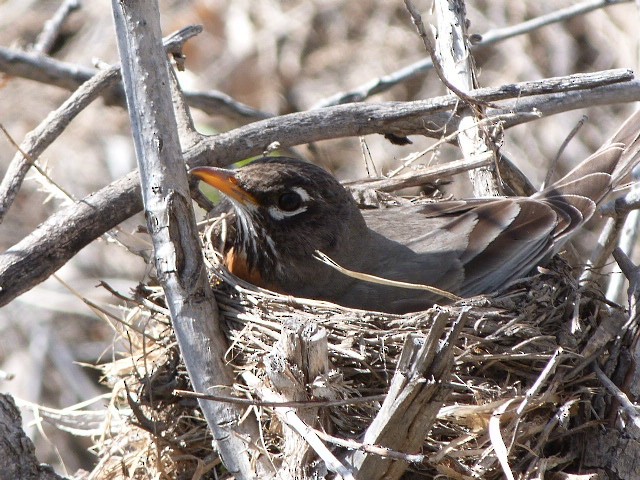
418, 388
171, 222
59, 238
17, 452
459, 68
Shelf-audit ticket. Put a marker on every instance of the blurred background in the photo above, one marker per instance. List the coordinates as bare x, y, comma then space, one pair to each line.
278, 56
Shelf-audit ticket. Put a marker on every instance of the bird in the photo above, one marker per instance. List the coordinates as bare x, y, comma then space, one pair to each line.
287, 210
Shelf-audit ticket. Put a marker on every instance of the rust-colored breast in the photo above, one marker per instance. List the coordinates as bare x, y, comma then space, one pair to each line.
237, 264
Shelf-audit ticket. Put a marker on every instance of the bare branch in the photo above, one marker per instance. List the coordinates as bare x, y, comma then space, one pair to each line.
49, 130
382, 84
430, 45
52, 27
628, 406
59, 238
459, 67
70, 76
170, 218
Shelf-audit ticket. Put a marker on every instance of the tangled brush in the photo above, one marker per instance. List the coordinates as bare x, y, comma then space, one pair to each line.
518, 390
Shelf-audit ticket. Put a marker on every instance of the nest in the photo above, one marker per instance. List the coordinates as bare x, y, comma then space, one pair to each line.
520, 389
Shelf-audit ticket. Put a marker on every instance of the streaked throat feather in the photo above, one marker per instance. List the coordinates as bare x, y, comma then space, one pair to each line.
263, 256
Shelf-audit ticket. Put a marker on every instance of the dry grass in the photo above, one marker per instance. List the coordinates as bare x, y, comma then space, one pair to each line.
516, 356
281, 57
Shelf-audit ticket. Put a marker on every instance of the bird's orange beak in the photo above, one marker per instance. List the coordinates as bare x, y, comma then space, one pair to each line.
225, 181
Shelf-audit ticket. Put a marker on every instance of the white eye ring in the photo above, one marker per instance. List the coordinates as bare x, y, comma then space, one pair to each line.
279, 214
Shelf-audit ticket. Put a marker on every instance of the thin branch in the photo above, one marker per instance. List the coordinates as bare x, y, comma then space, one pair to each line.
374, 449
216, 103
419, 68
632, 274
627, 406
498, 34
51, 31
70, 76
59, 238
290, 404
48, 131
421, 176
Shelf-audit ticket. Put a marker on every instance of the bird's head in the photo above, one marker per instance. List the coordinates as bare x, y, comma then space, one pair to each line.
286, 209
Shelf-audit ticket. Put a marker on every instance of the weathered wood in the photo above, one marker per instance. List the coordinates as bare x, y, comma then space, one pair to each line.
298, 358
171, 222
17, 452
59, 238
418, 390
459, 68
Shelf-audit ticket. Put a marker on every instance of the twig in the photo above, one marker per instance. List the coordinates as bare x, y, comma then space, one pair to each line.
291, 404
51, 31
629, 408
374, 449
561, 15
174, 43
421, 176
365, 277
632, 273
32, 163
48, 131
549, 369
220, 104
606, 243
59, 238
552, 168
406, 162
382, 84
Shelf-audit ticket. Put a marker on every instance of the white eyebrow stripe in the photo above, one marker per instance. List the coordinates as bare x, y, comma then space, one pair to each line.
278, 214
304, 196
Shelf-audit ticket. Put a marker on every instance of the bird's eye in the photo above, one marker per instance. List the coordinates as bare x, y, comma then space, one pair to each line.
289, 201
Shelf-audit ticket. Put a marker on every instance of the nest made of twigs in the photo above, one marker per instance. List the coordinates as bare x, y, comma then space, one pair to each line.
519, 372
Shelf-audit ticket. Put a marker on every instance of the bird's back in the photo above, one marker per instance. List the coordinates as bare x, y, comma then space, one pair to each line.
480, 245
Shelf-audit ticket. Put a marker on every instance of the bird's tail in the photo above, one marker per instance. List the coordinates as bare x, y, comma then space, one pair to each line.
613, 161
577, 194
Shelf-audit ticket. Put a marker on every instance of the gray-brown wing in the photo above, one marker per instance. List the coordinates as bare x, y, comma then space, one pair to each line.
476, 250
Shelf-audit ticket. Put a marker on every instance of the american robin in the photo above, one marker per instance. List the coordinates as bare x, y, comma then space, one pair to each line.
286, 210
